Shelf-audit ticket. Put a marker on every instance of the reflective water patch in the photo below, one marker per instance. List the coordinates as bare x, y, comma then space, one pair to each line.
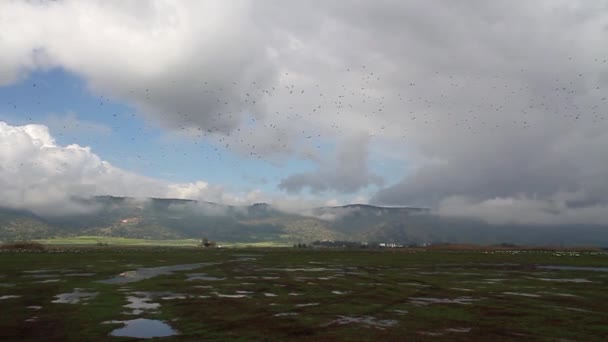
141, 303
431, 300
365, 320
9, 297
74, 297
150, 272
48, 281
565, 280
202, 276
306, 304
303, 269
522, 294
143, 328
221, 295
285, 314
458, 330
574, 268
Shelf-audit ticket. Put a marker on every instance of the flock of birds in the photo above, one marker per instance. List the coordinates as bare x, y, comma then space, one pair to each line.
292, 115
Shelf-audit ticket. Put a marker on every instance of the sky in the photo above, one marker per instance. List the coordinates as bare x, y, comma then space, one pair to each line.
488, 109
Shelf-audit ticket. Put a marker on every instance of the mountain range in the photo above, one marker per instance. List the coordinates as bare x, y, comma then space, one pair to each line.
176, 219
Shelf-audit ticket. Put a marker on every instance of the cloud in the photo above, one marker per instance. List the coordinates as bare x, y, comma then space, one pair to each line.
168, 60
348, 172
523, 210
492, 102
38, 174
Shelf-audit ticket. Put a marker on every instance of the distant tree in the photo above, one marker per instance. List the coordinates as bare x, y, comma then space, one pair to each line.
205, 242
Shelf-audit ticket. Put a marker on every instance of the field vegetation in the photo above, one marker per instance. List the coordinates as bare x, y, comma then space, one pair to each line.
75, 293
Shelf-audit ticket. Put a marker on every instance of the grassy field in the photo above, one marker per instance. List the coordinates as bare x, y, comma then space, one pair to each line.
283, 293
118, 241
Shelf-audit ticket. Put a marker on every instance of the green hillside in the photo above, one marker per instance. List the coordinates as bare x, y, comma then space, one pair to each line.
173, 219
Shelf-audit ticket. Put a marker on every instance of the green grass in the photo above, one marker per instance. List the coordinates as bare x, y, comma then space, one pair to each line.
119, 241
379, 285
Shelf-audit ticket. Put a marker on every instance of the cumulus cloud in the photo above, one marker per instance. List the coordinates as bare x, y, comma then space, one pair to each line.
494, 106
348, 172
38, 174
178, 64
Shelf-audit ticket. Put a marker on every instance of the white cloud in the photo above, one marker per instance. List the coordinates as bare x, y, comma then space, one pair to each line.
523, 210
38, 174
348, 172
489, 99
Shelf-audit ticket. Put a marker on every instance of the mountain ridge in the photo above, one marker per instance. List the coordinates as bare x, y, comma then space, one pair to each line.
172, 218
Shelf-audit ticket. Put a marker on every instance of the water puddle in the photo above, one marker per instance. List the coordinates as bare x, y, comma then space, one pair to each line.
458, 330
303, 269
286, 314
143, 328
365, 320
246, 277
37, 271
574, 268
431, 300
9, 297
139, 305
203, 277
48, 281
415, 284
531, 295
339, 292
270, 294
565, 280
174, 296
306, 305
150, 272
559, 294
230, 295
74, 297
577, 309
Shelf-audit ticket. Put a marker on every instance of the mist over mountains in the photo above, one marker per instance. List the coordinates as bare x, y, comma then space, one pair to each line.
154, 218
